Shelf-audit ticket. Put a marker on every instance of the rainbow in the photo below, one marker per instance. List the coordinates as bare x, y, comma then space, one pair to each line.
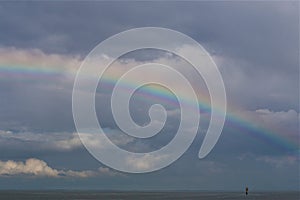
31, 72
237, 121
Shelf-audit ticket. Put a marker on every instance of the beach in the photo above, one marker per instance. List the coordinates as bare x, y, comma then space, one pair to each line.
169, 195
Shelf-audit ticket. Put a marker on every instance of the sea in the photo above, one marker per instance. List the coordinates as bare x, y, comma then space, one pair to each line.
168, 195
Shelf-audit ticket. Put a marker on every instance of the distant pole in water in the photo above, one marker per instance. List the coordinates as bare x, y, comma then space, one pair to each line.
246, 190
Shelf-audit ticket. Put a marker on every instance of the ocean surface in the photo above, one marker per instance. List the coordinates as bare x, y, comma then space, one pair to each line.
87, 195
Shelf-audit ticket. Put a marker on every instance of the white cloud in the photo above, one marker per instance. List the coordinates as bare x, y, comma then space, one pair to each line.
63, 141
283, 123
37, 59
279, 161
50, 141
146, 162
287, 117
39, 168
276, 161
31, 166
31, 60
116, 136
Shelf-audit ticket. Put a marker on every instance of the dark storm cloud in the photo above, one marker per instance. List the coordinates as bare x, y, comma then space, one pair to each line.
255, 44
258, 40
260, 30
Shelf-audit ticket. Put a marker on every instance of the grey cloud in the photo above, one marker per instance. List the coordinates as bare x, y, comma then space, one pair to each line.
260, 44
46, 141
55, 141
255, 45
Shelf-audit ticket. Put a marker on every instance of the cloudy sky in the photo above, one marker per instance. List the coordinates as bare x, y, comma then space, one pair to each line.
255, 46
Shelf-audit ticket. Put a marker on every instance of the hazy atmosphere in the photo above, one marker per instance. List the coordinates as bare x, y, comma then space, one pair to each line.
254, 44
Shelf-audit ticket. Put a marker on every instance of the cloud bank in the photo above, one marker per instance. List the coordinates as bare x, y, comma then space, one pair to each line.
39, 168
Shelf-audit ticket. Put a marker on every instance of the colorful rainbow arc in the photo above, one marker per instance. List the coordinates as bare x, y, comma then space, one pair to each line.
268, 136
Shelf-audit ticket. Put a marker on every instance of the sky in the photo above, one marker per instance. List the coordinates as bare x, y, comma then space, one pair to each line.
254, 44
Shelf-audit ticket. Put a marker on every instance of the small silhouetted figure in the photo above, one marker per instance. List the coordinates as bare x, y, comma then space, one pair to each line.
246, 190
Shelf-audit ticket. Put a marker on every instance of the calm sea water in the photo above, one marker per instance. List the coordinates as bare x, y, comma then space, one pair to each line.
88, 195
